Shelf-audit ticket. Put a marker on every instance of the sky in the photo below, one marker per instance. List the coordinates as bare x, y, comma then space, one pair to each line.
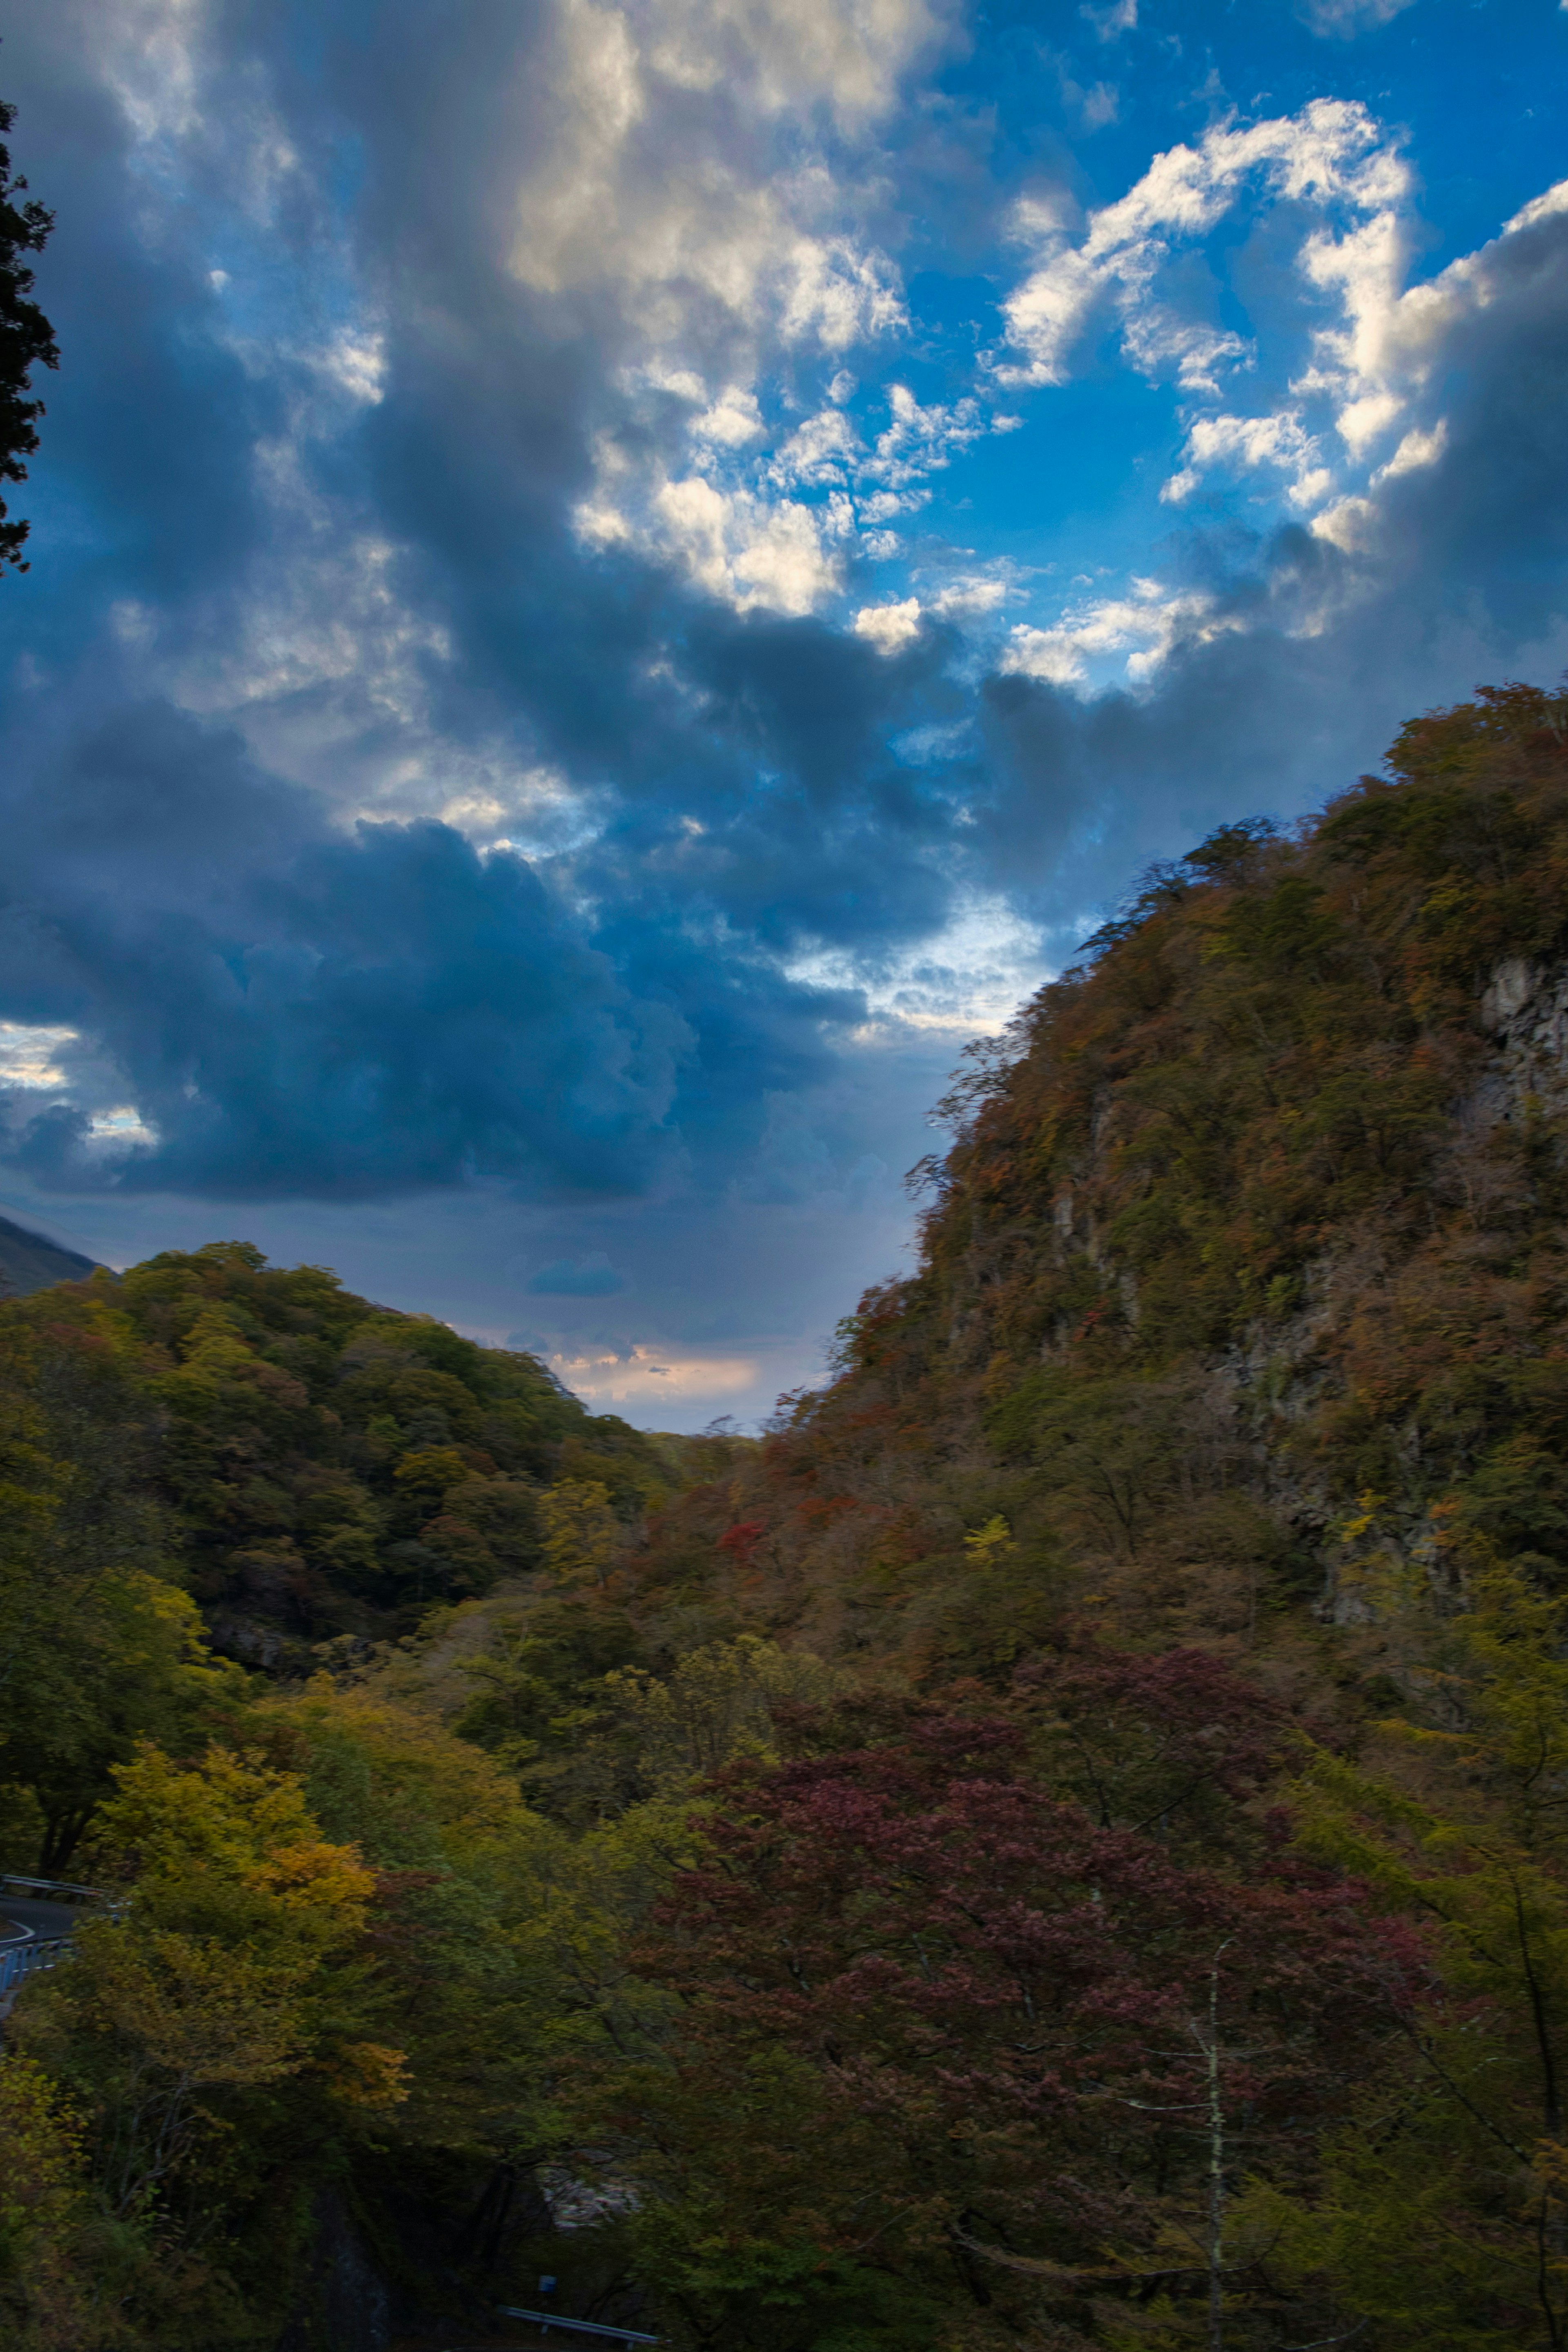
615, 580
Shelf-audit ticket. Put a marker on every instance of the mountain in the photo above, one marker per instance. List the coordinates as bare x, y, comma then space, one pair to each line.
318, 1467
1242, 1284
1063, 1843
29, 1262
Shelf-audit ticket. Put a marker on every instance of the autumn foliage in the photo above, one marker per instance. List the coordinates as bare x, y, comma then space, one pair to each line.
1063, 1843
939, 2023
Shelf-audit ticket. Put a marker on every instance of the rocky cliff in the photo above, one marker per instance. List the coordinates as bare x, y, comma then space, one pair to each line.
1242, 1298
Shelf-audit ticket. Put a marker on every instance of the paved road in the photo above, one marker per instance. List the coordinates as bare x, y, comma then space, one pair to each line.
42, 1919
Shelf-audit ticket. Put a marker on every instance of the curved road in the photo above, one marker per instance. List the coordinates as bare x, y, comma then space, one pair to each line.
19, 1919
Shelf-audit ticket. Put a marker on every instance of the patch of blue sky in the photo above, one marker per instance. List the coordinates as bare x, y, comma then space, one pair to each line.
1478, 86
1074, 496
1075, 490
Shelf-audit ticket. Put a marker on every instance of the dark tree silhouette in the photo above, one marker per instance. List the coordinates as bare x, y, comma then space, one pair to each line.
26, 338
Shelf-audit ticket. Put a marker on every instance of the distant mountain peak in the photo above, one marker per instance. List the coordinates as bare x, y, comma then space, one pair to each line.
30, 1261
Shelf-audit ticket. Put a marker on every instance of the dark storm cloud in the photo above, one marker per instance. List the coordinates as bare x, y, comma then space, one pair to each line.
298, 1013
1488, 524
1079, 794
789, 817
595, 1277
146, 485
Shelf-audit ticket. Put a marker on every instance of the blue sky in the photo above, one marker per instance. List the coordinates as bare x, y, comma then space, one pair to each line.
614, 579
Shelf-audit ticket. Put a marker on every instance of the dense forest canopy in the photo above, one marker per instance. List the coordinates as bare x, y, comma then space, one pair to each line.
1062, 1842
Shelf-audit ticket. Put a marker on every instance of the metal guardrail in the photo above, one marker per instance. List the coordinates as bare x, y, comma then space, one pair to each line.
53, 1890
27, 1953
544, 2320
25, 1959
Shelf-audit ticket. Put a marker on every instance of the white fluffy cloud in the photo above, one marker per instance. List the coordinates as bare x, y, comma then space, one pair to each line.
714, 171
762, 513
730, 235
1378, 368
1138, 632
890, 627
706, 214
1359, 374
1247, 443
1353, 393
1333, 154
750, 552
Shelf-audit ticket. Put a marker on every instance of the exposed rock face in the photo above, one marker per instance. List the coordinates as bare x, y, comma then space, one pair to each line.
1525, 1008
576, 2204
254, 1644
1281, 1370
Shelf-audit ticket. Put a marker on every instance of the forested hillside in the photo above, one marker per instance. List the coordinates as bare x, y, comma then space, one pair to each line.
1063, 1843
1242, 1286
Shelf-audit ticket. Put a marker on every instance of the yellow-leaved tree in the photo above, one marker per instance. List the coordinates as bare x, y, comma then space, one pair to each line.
220, 2020
580, 1531
47, 2286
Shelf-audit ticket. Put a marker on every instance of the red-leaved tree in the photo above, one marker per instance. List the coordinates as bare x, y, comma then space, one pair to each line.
940, 2026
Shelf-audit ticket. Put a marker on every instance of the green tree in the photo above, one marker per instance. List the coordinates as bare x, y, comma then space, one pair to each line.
26, 338
1442, 2212
581, 1533
99, 1645
718, 1703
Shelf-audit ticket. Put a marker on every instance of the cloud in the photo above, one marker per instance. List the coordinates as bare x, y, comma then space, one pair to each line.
344, 1015
890, 627
736, 521
970, 976
659, 1380
647, 845
292, 1008
1245, 443
564, 1277
31, 1054
1241, 677
732, 419
972, 595
604, 199
1344, 19
750, 554
1362, 408
1385, 354
677, 182
1118, 16
919, 441
1144, 629
1330, 154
